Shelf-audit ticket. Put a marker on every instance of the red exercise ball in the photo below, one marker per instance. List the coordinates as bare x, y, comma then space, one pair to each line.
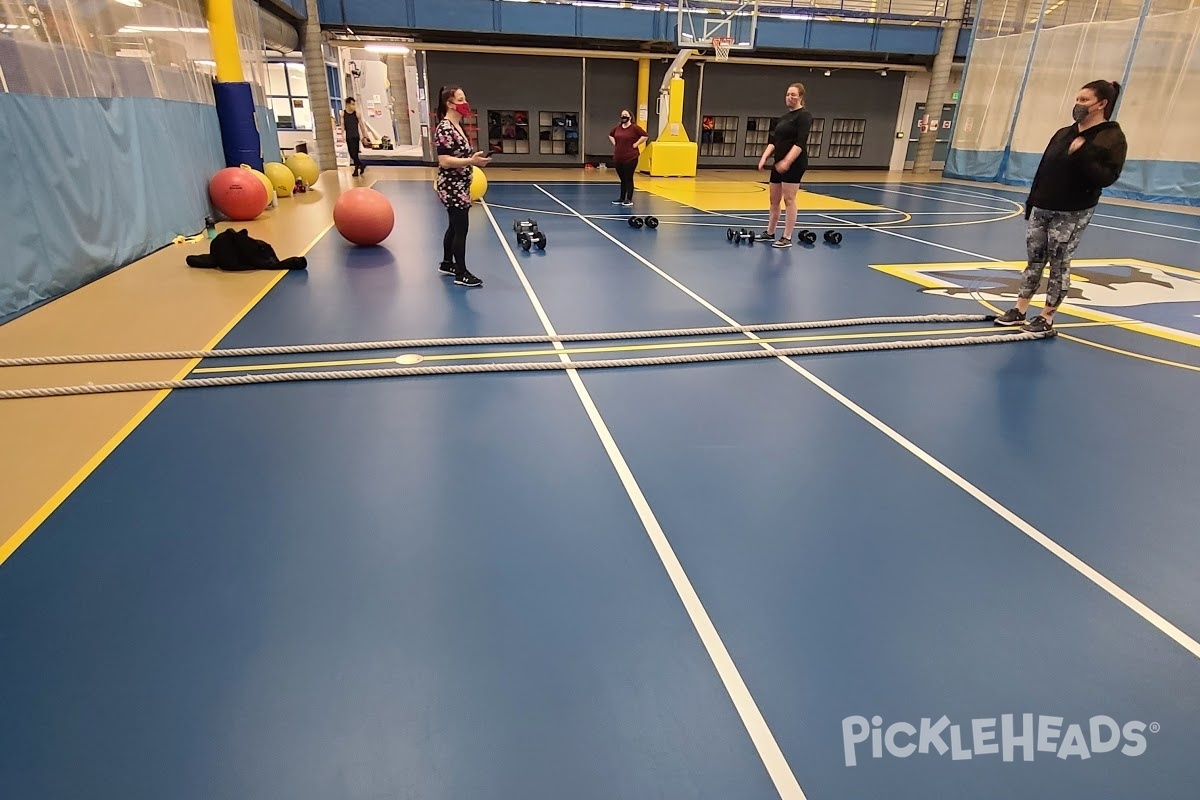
238, 194
364, 216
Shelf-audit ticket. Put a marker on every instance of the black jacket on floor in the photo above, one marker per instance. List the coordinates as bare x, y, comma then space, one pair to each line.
235, 251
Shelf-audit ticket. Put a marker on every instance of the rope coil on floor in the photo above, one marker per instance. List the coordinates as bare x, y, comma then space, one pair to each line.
484, 340
405, 372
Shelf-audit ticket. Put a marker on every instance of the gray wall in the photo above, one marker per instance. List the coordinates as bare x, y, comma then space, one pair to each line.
510, 82
612, 85
543, 83
744, 91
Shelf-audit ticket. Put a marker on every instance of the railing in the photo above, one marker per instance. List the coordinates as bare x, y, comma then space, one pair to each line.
927, 10
881, 9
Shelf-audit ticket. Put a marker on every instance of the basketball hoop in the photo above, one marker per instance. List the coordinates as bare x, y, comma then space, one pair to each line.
721, 45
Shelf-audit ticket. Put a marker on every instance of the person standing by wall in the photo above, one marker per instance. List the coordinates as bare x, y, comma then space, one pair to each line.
355, 131
788, 144
627, 139
1081, 160
456, 158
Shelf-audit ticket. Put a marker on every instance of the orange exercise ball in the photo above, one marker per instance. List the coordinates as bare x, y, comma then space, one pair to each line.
363, 216
238, 194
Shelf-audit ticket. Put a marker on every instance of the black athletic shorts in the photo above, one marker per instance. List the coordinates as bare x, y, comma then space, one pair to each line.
793, 175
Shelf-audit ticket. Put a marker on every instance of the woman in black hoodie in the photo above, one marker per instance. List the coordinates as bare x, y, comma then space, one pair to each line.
1080, 161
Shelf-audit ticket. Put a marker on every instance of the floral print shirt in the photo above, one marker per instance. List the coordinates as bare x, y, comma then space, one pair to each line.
453, 183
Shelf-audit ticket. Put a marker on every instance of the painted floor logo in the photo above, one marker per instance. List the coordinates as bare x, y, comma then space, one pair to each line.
1154, 299
1045, 734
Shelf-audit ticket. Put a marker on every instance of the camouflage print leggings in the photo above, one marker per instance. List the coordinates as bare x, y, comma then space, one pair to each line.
1052, 236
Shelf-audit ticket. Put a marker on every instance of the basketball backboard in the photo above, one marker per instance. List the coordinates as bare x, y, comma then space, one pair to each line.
698, 21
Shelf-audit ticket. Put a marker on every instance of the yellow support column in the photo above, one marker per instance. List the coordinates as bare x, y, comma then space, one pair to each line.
222, 33
643, 109
643, 97
672, 154
234, 97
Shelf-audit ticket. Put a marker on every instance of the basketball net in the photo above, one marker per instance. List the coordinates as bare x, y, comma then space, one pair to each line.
721, 45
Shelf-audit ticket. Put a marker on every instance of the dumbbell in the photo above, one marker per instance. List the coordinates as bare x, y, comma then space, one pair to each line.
806, 236
833, 237
649, 222
738, 235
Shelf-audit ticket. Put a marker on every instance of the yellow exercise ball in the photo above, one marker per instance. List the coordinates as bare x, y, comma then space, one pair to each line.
283, 180
304, 168
479, 184
266, 182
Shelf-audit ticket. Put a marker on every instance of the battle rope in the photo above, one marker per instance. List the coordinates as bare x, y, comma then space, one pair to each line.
533, 339
405, 372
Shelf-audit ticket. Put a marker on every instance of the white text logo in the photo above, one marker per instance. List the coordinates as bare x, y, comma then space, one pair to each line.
982, 737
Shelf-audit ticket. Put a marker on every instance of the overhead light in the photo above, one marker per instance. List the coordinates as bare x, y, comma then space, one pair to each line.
159, 29
398, 49
130, 3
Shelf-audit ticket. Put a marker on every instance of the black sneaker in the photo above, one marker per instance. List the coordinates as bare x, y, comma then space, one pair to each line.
467, 279
1038, 324
782, 242
1011, 317
446, 268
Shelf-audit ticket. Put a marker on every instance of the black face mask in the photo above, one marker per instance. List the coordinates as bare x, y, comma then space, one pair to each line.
1079, 112
624, 118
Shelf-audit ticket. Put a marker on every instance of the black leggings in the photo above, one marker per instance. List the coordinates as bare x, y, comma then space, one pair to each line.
454, 243
625, 172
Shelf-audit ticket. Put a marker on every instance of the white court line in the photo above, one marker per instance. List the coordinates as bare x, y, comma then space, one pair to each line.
768, 749
1154, 222
1145, 233
933, 187
927, 197
930, 187
1076, 563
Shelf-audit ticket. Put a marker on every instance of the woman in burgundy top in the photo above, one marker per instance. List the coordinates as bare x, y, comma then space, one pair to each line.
626, 138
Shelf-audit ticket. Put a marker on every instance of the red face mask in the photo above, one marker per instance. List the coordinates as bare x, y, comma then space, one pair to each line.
464, 109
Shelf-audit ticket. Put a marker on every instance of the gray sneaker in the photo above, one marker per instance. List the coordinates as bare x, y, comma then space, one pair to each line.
1011, 318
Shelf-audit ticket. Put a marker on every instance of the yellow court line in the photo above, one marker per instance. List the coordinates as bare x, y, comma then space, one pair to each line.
616, 348
915, 273
10, 545
1119, 351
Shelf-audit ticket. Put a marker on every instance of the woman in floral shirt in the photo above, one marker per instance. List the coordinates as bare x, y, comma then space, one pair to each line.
456, 158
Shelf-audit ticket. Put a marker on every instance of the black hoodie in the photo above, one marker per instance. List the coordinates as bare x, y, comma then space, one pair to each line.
1068, 181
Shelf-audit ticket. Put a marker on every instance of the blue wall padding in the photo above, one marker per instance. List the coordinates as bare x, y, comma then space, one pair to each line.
1146, 180
269, 134
239, 126
94, 184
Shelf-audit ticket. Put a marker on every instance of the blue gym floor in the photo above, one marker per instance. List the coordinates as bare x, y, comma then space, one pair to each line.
675, 581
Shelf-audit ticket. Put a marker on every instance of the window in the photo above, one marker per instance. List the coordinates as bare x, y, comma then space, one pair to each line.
814, 138
508, 131
558, 133
287, 96
758, 132
846, 138
718, 136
